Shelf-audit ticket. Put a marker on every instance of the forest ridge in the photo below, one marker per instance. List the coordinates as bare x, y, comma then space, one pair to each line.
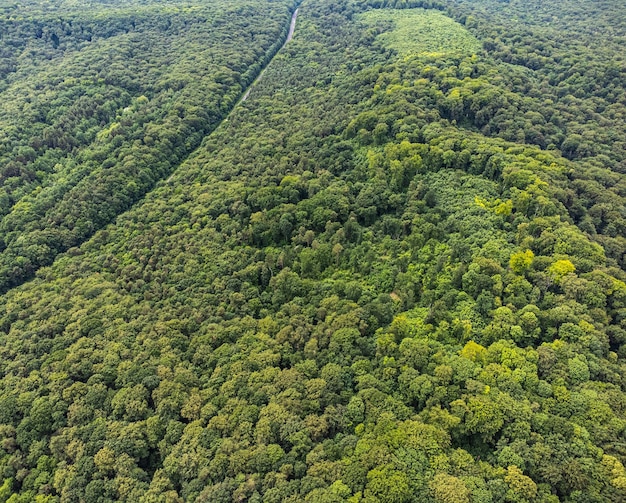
395, 273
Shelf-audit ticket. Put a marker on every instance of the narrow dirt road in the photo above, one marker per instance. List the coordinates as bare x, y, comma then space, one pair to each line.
292, 28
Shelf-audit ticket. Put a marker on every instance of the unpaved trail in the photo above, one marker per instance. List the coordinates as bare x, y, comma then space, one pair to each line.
292, 29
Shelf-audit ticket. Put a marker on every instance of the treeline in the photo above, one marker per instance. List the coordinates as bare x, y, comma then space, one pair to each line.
84, 138
350, 293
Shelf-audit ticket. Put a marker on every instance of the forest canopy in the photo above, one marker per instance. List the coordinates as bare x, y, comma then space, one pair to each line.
101, 101
396, 273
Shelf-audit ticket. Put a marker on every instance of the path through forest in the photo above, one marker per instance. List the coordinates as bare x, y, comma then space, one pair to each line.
292, 28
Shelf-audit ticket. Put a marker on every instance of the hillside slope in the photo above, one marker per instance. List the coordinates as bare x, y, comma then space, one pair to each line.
102, 100
372, 283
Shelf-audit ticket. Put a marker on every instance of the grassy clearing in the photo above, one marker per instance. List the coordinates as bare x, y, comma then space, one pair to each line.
419, 31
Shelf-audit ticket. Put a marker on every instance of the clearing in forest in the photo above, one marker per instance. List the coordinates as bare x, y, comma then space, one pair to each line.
420, 31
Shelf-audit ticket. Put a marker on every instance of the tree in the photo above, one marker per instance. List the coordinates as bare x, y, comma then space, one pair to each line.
449, 489
520, 262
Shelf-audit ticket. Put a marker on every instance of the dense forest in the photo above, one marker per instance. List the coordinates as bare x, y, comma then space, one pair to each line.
101, 102
395, 273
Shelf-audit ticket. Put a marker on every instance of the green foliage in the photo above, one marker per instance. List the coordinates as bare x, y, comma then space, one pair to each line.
561, 268
83, 138
419, 31
378, 280
449, 489
521, 261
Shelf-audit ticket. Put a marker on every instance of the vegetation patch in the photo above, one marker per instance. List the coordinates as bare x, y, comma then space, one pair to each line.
420, 31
